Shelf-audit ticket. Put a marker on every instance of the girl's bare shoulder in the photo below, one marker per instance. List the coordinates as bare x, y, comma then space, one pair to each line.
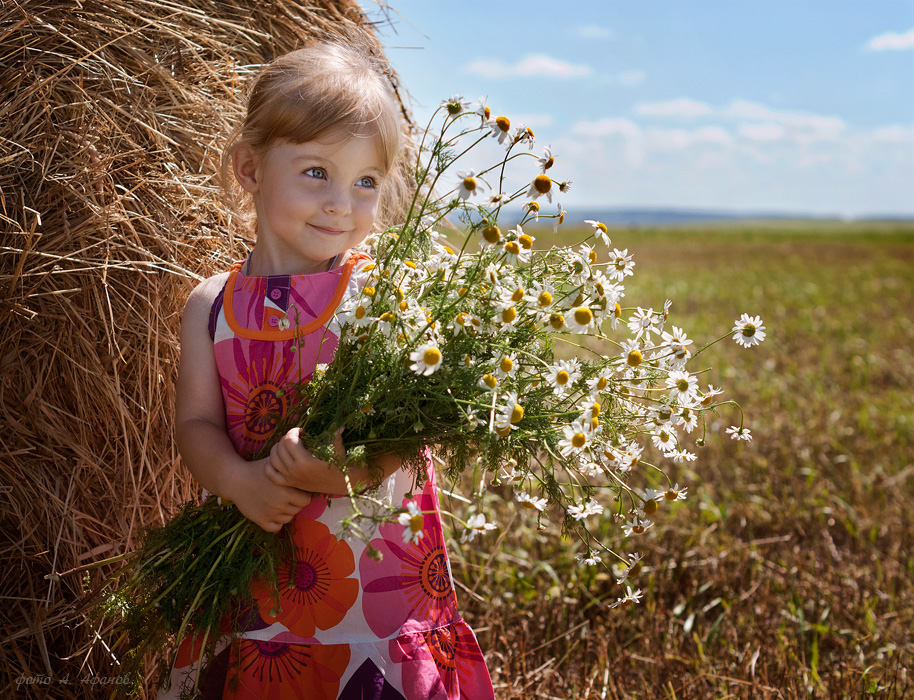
201, 299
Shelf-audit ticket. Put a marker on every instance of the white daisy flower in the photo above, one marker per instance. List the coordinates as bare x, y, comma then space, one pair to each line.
501, 127
412, 521
528, 501
455, 104
643, 322
540, 187
509, 414
426, 359
582, 511
664, 439
707, 398
558, 219
548, 160
563, 374
683, 386
487, 382
476, 525
483, 111
578, 438
620, 264
590, 559
469, 185
739, 433
507, 366
632, 569
600, 231
636, 526
748, 330
680, 456
580, 319
675, 493
509, 474
630, 598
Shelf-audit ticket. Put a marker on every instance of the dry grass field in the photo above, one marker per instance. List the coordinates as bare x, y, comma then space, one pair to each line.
789, 571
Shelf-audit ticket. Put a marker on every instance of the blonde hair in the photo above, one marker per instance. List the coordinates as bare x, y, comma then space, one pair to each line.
304, 94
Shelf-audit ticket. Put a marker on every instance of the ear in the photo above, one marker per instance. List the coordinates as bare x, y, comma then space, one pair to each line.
245, 167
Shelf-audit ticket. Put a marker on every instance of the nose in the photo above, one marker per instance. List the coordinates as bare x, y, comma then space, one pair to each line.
338, 201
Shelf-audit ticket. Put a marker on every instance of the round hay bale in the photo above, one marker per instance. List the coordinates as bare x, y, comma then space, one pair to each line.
112, 118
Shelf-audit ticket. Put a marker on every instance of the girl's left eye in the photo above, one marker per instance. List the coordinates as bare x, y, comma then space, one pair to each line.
366, 182
315, 172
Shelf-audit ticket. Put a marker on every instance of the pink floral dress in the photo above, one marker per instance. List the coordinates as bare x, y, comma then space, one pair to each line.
349, 626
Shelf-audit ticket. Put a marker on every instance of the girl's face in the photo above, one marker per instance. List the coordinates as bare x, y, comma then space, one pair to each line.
314, 200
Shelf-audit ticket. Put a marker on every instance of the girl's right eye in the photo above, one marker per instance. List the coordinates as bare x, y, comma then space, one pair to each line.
315, 172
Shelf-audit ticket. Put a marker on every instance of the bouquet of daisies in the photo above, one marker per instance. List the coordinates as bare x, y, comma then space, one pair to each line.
450, 344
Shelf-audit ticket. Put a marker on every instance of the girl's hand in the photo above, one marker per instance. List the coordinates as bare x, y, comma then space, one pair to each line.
291, 464
265, 502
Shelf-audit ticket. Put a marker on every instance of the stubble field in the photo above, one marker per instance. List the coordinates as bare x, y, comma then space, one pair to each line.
789, 571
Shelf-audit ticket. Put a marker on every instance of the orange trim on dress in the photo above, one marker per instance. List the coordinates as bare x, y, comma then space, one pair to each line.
289, 333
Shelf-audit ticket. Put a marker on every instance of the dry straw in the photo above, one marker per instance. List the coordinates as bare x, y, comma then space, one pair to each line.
112, 116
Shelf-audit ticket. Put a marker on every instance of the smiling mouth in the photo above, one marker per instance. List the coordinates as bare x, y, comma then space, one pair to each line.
328, 230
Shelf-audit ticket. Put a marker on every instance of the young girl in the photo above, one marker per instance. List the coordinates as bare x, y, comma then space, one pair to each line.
317, 154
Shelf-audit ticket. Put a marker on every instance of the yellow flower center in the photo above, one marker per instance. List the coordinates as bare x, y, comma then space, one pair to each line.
649, 506
557, 321
533, 206
469, 184
432, 356
549, 163
682, 385
360, 312
369, 291
517, 414
487, 112
599, 289
503, 123
583, 315
518, 294
592, 256
634, 358
461, 319
506, 364
600, 225
530, 132
403, 306
410, 264
671, 495
449, 250
542, 183
399, 294
617, 312
601, 383
491, 234
415, 523
503, 432
462, 292
562, 377
638, 529
635, 569
526, 242
544, 299
366, 408
595, 409
489, 381
512, 248
748, 330
508, 315
578, 440
467, 360
387, 317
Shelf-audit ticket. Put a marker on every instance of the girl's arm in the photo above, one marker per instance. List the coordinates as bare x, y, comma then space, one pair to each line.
201, 431
292, 464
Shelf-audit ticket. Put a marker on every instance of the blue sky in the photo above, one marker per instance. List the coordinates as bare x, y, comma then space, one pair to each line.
803, 106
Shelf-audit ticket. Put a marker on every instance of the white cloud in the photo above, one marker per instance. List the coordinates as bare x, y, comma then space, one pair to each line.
762, 131
894, 134
682, 108
607, 127
629, 78
892, 41
530, 66
593, 31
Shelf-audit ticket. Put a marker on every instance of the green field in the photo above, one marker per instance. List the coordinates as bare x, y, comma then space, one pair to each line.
789, 571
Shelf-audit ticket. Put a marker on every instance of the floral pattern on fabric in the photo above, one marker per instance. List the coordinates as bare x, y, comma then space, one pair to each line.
277, 671
315, 591
413, 580
442, 664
